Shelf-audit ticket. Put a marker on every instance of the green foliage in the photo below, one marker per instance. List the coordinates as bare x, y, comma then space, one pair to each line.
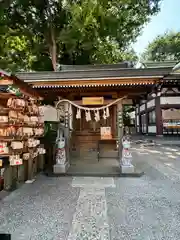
126, 117
164, 47
39, 35
15, 52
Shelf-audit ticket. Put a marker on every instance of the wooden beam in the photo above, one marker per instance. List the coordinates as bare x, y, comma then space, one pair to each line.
25, 88
94, 82
5, 82
79, 102
113, 94
98, 91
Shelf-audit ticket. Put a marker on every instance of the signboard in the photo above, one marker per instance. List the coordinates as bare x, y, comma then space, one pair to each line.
16, 162
171, 118
50, 114
92, 101
171, 114
106, 133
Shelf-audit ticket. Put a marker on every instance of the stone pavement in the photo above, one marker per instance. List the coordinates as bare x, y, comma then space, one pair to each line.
146, 208
163, 140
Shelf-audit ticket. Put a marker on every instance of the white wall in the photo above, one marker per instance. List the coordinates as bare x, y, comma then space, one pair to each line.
151, 129
137, 120
151, 103
142, 107
170, 100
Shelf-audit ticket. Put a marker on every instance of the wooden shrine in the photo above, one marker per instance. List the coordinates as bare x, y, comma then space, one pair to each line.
88, 90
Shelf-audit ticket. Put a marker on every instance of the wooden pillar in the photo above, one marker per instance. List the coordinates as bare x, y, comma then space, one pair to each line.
30, 169
67, 133
119, 130
140, 122
114, 121
159, 126
21, 175
40, 160
137, 119
14, 177
25, 170
35, 166
8, 178
146, 112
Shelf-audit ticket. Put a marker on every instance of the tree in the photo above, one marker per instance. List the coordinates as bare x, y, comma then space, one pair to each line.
101, 26
15, 52
40, 21
164, 47
75, 31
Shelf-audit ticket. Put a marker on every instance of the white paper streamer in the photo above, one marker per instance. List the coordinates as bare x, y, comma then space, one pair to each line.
107, 112
88, 116
96, 115
78, 114
104, 114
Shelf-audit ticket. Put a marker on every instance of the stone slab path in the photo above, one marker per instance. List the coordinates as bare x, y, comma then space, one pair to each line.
146, 208
90, 220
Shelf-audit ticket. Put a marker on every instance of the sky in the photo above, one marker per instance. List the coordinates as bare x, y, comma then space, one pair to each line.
167, 19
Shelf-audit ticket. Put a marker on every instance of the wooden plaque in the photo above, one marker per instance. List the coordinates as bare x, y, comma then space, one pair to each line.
16, 162
106, 133
92, 101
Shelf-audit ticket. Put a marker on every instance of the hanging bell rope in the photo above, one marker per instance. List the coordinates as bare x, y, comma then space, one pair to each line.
89, 109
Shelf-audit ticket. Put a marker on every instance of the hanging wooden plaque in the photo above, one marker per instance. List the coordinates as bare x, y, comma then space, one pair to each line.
16, 162
92, 101
171, 114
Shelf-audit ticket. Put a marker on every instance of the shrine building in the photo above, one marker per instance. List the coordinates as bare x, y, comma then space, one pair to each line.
96, 95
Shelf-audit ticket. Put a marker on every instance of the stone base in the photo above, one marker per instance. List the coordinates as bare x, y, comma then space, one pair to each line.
60, 168
127, 169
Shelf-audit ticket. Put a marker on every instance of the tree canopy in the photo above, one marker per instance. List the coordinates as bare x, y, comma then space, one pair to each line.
164, 47
42, 34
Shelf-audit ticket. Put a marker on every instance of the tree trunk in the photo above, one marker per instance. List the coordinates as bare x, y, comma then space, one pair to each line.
53, 49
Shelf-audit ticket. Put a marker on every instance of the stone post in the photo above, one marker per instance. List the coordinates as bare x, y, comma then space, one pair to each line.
125, 157
159, 123
62, 146
126, 163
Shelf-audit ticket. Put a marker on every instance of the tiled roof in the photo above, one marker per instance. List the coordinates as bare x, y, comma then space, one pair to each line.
94, 74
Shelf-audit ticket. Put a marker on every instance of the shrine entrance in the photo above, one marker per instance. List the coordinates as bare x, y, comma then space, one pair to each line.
93, 137
86, 136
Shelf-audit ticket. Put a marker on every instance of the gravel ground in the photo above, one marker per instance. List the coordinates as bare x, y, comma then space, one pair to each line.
146, 208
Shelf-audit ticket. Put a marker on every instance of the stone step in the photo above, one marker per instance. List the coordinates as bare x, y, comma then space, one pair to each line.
110, 154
